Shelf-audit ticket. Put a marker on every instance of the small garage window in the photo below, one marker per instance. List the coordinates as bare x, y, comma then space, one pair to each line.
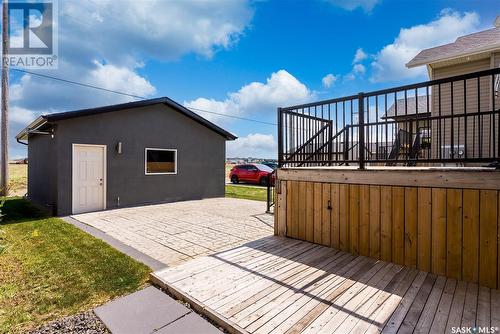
160, 161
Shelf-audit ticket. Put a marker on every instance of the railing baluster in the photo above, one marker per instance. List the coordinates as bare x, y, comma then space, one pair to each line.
361, 130
466, 143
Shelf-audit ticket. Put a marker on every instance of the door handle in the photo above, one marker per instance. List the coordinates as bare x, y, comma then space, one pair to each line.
100, 182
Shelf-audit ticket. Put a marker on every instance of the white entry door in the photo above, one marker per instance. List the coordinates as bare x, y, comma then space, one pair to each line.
89, 178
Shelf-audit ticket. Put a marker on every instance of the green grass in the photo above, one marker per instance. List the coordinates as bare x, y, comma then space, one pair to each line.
50, 269
18, 182
247, 192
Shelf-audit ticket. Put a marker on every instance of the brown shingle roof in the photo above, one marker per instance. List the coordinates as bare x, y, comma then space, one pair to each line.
411, 110
482, 41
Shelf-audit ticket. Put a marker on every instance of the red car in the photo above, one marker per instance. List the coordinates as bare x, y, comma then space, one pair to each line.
251, 173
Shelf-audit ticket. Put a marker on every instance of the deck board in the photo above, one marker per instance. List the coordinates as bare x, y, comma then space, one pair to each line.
282, 285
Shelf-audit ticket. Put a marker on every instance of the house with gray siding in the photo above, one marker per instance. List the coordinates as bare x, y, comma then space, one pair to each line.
135, 153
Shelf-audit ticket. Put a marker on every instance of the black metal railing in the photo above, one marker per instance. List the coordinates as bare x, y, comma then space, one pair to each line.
453, 120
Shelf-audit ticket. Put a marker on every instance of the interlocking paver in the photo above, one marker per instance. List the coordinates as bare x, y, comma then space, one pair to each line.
176, 232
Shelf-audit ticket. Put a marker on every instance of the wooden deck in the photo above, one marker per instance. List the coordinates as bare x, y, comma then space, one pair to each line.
279, 285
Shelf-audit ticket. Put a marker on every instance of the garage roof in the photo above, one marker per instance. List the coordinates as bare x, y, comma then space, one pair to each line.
40, 121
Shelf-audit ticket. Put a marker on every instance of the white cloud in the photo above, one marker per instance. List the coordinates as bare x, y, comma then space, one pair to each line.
366, 5
349, 77
358, 69
389, 63
20, 115
105, 43
41, 95
120, 79
254, 145
329, 80
280, 89
359, 56
159, 29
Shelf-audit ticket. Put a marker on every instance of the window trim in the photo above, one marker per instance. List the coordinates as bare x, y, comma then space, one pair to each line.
159, 149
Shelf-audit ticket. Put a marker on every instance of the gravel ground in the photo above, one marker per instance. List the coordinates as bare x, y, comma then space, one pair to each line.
82, 323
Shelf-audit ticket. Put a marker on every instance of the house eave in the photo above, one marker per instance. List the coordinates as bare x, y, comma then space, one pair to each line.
487, 49
35, 125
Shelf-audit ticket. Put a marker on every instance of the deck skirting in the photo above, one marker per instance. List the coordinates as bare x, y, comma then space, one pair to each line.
442, 221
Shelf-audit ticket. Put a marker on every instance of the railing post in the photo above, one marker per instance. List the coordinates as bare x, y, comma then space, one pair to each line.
280, 139
268, 209
361, 130
330, 136
271, 191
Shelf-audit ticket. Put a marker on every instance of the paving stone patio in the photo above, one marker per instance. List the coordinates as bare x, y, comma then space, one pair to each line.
173, 233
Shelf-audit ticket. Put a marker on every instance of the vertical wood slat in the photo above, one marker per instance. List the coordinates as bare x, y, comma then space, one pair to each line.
364, 220
424, 229
325, 214
398, 224
318, 214
375, 222
280, 219
438, 258
470, 244
386, 223
488, 238
294, 230
302, 211
411, 217
335, 216
343, 217
289, 207
354, 218
309, 226
454, 233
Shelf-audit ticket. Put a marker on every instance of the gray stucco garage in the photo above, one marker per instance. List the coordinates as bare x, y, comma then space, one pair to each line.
142, 152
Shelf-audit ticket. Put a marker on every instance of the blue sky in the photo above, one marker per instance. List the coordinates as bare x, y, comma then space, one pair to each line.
240, 58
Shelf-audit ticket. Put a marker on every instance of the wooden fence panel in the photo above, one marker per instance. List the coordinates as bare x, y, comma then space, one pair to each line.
375, 222
424, 228
364, 220
335, 216
302, 211
410, 232
398, 224
470, 244
386, 223
454, 233
326, 212
488, 237
438, 258
354, 218
309, 224
318, 213
344, 217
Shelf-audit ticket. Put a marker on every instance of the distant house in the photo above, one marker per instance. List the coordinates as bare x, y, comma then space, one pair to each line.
123, 155
413, 126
